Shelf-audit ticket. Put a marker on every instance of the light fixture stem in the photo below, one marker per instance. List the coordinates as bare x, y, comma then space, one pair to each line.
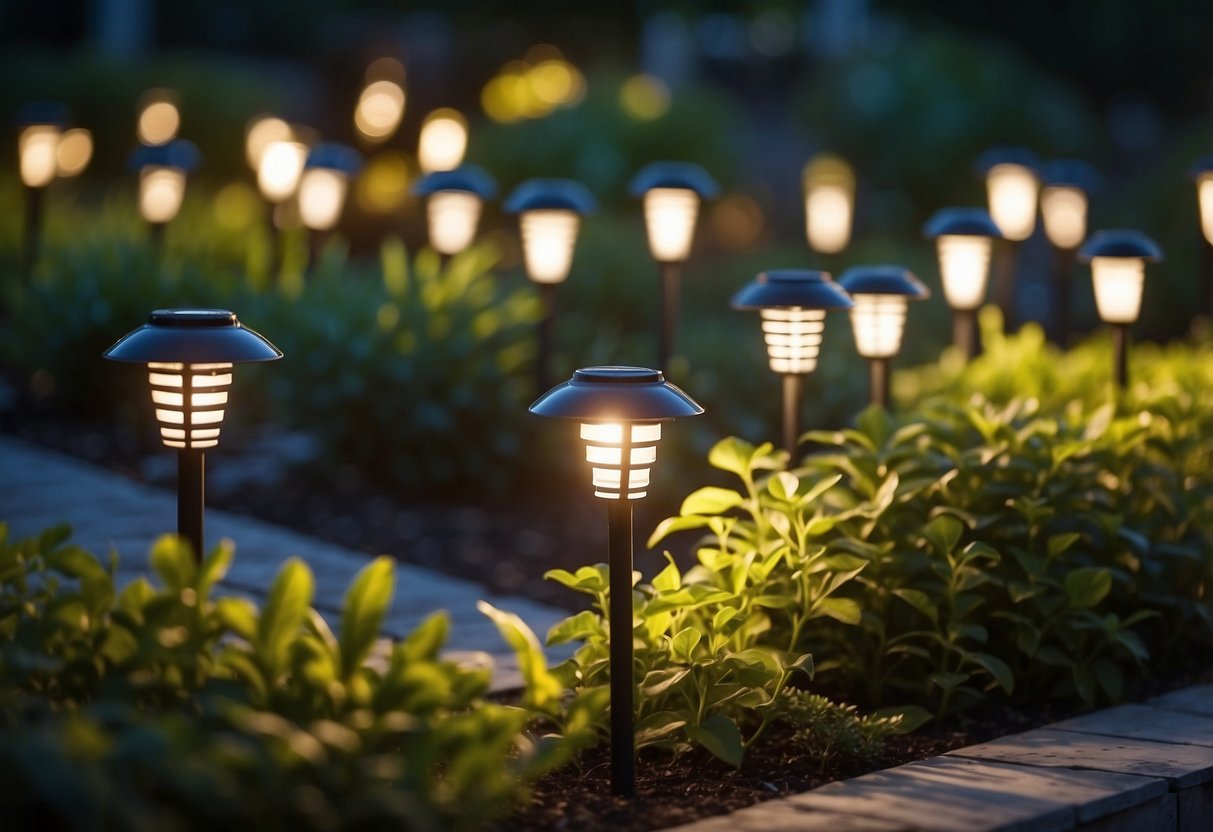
1120, 347
1063, 276
619, 544
155, 236
547, 323
793, 393
668, 334
191, 495
878, 377
1006, 260
1206, 282
964, 332
33, 230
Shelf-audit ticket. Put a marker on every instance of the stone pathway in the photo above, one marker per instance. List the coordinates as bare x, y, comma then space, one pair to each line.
41, 488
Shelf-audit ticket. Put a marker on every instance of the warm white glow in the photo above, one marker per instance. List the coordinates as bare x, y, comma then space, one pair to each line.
452, 216
38, 147
261, 134
161, 190
159, 122
280, 169
1204, 192
669, 216
189, 400
548, 238
75, 151
827, 210
444, 140
793, 337
1011, 190
964, 264
321, 197
1064, 208
380, 109
605, 452
1118, 287
878, 321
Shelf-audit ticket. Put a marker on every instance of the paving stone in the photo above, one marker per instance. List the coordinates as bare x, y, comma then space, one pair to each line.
949, 794
1184, 766
1143, 722
1158, 815
1197, 699
781, 815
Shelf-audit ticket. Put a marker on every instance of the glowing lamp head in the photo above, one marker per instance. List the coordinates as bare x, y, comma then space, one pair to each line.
792, 305
324, 184
454, 199
261, 132
189, 355
829, 202
443, 140
280, 170
549, 214
1012, 189
74, 152
1203, 174
163, 169
380, 109
672, 192
882, 295
1118, 271
40, 125
620, 410
963, 238
1064, 201
159, 117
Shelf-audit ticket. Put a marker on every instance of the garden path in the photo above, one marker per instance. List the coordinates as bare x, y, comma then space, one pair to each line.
41, 488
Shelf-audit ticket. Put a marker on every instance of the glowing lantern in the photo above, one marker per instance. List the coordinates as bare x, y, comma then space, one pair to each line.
829, 203
1118, 271
443, 140
454, 199
963, 239
882, 295
325, 183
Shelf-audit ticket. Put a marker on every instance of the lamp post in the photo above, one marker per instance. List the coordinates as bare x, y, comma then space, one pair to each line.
454, 200
322, 190
963, 238
189, 355
793, 306
881, 295
1203, 174
1118, 272
1063, 206
1012, 189
40, 125
671, 192
829, 203
620, 410
163, 169
549, 215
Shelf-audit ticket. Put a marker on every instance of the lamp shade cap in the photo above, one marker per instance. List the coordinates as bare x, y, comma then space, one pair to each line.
969, 222
551, 194
1072, 172
1006, 155
471, 178
802, 288
53, 113
674, 175
616, 394
884, 279
334, 156
179, 153
193, 336
1120, 243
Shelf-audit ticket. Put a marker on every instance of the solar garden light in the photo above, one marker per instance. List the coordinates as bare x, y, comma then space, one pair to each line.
1063, 206
793, 306
163, 170
189, 355
963, 238
1203, 174
1118, 271
549, 214
40, 126
454, 199
323, 187
620, 410
829, 203
881, 295
1012, 190
671, 192
443, 140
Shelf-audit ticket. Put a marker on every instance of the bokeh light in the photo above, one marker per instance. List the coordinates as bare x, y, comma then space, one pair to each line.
444, 140
74, 152
161, 190
644, 97
384, 183
37, 147
280, 169
321, 197
159, 117
236, 207
262, 131
533, 87
736, 222
829, 198
380, 110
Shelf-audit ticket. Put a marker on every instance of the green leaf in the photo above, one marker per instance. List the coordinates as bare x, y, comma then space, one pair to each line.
783, 486
1087, 586
668, 579
578, 627
363, 610
1059, 543
74, 562
920, 601
904, 719
733, 455
710, 500
943, 532
719, 735
845, 610
238, 615
657, 682
590, 580
286, 607
427, 638
215, 567
683, 644
657, 726
997, 668
172, 559
669, 526
948, 680
874, 422
543, 690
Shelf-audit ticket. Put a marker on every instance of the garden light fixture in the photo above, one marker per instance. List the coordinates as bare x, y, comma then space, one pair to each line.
189, 355
280, 169
549, 215
260, 133
620, 410
1203, 174
1118, 272
963, 238
443, 140
163, 169
829, 203
454, 199
1012, 192
323, 188
671, 192
1064, 200
881, 295
159, 117
792, 304
40, 128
